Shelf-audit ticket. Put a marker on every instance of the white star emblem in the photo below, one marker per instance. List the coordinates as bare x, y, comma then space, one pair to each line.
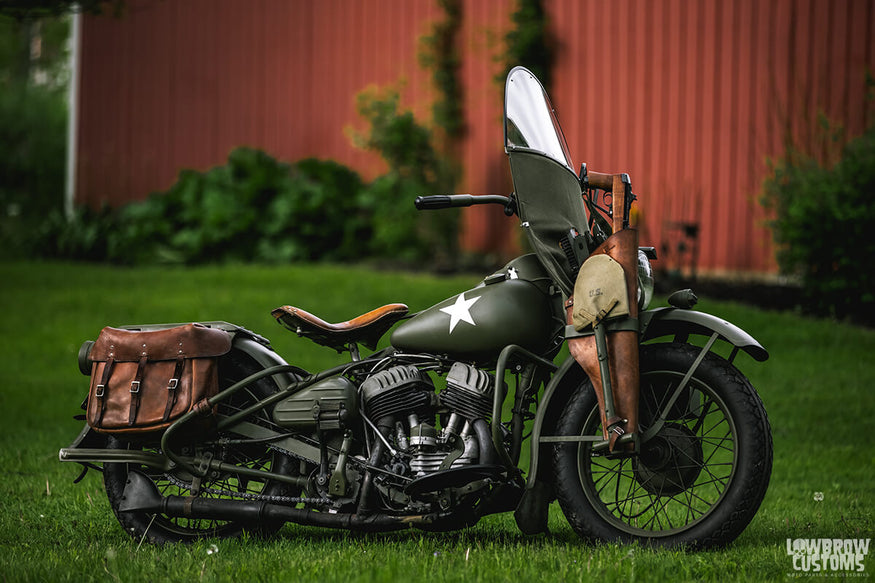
460, 311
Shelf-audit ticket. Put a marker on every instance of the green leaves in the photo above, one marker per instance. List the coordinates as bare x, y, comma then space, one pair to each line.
823, 225
530, 43
415, 168
255, 208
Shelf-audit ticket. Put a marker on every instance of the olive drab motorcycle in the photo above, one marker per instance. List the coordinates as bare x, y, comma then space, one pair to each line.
645, 433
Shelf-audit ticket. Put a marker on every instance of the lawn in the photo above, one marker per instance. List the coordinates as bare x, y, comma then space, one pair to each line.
817, 388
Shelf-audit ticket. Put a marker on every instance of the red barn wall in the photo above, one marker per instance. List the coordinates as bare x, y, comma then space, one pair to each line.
689, 98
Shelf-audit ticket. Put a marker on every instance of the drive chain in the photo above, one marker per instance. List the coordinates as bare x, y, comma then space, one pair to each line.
290, 500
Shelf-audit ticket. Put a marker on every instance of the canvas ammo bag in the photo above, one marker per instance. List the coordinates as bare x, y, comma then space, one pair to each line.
142, 381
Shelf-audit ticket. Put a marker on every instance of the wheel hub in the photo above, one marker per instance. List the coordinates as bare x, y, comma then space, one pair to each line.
670, 462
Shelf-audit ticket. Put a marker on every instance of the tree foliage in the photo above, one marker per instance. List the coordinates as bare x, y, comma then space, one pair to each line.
36, 9
441, 55
33, 124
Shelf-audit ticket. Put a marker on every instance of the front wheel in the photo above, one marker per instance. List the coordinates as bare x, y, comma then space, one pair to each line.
697, 482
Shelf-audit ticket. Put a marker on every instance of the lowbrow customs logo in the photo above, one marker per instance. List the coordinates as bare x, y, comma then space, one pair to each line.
828, 556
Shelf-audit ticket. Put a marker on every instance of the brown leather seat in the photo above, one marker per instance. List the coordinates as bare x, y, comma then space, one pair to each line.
366, 329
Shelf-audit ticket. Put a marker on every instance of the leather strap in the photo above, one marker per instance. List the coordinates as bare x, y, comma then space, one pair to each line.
135, 390
171, 387
100, 389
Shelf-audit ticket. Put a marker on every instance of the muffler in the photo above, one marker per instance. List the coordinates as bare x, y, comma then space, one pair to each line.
141, 495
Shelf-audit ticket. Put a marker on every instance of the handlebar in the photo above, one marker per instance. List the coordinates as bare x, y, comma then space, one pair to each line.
444, 201
600, 180
620, 188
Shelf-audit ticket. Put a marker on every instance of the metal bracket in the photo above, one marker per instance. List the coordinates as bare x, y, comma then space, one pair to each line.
337, 486
654, 429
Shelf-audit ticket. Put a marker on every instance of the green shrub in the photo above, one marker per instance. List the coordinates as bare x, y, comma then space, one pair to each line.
84, 236
254, 208
823, 226
322, 216
415, 168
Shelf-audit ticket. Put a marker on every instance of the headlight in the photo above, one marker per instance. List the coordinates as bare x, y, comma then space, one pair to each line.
645, 281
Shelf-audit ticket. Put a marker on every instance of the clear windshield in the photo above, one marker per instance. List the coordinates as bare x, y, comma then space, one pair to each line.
529, 119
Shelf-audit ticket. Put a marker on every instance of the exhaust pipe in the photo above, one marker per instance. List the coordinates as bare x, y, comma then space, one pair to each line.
141, 495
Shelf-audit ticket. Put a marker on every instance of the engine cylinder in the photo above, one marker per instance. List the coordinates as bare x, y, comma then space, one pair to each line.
396, 391
469, 391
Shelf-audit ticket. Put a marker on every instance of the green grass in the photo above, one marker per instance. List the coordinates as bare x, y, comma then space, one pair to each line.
817, 387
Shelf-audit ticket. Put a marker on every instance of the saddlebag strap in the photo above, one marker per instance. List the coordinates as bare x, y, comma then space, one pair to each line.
135, 389
172, 385
100, 390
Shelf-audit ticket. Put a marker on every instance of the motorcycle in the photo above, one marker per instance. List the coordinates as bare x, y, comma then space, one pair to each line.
644, 433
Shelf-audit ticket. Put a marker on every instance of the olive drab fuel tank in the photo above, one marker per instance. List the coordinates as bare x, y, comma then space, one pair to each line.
515, 305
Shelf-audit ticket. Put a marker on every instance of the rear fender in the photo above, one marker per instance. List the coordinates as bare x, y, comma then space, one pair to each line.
256, 347
266, 357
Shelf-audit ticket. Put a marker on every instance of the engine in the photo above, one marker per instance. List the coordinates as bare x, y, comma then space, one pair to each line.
403, 404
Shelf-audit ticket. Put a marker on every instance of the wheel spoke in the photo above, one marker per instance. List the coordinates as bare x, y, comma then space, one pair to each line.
700, 419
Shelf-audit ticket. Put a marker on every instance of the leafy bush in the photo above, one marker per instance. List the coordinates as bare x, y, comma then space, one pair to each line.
85, 236
258, 209
252, 209
415, 168
823, 226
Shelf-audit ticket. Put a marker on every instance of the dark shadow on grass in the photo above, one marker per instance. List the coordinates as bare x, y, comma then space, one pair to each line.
481, 533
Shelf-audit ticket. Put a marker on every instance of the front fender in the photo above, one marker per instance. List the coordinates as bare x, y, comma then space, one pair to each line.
652, 324
678, 322
556, 394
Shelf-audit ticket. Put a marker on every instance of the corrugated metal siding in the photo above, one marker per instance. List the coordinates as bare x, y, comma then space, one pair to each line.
689, 97
700, 95
179, 84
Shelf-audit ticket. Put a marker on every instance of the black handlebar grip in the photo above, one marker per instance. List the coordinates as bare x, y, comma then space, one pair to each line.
435, 201
445, 201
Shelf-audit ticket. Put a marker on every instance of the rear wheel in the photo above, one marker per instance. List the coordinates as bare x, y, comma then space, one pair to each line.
158, 528
697, 482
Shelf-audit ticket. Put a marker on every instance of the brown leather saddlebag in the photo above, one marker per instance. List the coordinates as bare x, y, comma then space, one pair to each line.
143, 381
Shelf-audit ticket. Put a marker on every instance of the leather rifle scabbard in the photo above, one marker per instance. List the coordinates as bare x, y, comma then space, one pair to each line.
622, 346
